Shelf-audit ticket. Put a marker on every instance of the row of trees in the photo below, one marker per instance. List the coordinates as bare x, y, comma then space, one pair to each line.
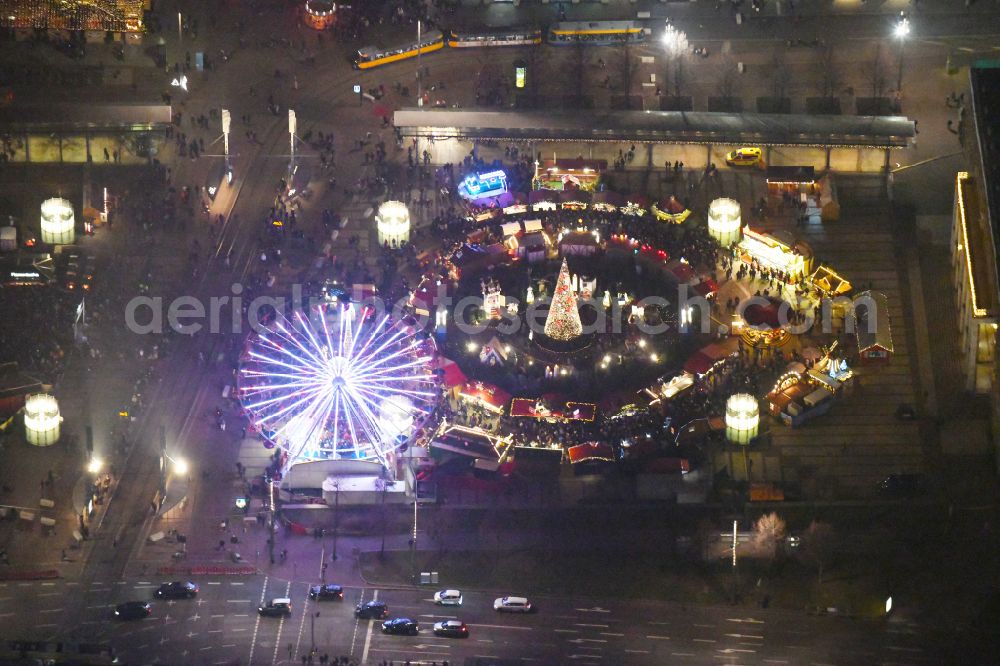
818, 547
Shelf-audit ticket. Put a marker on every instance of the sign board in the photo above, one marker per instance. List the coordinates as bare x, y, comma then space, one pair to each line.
520, 73
357, 89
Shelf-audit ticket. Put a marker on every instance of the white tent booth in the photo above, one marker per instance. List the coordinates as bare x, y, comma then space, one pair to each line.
58, 222
42, 420
393, 224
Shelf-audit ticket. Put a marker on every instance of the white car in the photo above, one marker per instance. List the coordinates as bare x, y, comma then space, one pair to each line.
512, 605
448, 597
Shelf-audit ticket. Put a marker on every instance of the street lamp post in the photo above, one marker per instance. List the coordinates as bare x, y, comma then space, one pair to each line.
336, 518
902, 31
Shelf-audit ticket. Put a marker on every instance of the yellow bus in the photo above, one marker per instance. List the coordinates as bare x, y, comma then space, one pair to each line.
596, 33
374, 56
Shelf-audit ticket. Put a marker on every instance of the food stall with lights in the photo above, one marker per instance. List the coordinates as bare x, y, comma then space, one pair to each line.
488, 396
795, 259
483, 185
320, 14
568, 174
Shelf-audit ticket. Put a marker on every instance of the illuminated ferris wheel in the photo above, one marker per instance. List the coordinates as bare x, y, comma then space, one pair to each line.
340, 383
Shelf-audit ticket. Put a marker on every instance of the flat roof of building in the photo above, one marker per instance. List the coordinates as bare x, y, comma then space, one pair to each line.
986, 110
702, 127
68, 116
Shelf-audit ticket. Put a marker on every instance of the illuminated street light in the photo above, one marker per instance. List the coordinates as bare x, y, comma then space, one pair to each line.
181, 466
95, 465
901, 31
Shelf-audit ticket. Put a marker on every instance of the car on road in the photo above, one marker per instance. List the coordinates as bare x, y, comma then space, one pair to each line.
177, 590
133, 610
512, 605
905, 485
373, 610
400, 625
448, 597
451, 629
279, 607
328, 592
743, 157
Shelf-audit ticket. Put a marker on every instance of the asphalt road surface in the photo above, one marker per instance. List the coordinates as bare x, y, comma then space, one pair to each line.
221, 626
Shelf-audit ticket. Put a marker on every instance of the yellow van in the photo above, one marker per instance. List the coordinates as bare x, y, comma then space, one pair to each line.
744, 157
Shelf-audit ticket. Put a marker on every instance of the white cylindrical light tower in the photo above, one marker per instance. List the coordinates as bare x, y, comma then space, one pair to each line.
393, 223
724, 222
58, 222
41, 419
742, 418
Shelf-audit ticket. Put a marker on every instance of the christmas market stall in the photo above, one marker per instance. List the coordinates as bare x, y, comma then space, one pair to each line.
793, 259
871, 327
485, 395
568, 174
671, 210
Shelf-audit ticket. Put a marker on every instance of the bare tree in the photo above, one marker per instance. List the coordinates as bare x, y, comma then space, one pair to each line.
675, 44
780, 74
728, 78
875, 73
768, 533
828, 70
819, 545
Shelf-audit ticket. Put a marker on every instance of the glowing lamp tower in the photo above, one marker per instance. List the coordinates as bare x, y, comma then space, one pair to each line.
41, 419
58, 222
341, 384
742, 418
393, 224
724, 222
563, 321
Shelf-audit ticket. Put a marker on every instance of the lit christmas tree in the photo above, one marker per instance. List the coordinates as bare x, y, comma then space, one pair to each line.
563, 322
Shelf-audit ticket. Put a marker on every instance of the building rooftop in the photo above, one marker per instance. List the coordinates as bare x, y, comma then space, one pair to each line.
113, 15
761, 129
986, 121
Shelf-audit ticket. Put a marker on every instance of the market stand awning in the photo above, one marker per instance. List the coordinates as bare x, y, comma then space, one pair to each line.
589, 452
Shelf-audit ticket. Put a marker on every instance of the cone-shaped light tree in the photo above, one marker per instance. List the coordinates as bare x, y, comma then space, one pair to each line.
563, 321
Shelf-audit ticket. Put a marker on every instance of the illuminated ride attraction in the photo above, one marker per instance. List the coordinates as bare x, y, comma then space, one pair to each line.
340, 384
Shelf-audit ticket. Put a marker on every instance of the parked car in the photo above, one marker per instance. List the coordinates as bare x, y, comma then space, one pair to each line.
133, 610
177, 590
328, 592
743, 157
400, 625
448, 597
512, 605
373, 610
451, 629
281, 606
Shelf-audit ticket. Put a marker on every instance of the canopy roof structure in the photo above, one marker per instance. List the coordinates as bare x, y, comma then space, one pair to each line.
762, 129
112, 15
57, 117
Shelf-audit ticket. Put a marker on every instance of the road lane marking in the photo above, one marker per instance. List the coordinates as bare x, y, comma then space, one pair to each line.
239, 601
683, 654
487, 656
760, 638
609, 633
598, 626
628, 651
748, 620
235, 583
281, 624
704, 626
95, 607
207, 647
659, 623
897, 648
52, 610
703, 640
256, 625
215, 631
242, 615
659, 638
566, 631
48, 584
368, 635
214, 582
50, 594
298, 640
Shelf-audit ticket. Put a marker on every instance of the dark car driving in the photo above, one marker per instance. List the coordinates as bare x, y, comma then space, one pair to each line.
451, 629
373, 610
326, 592
400, 625
133, 610
282, 606
177, 590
